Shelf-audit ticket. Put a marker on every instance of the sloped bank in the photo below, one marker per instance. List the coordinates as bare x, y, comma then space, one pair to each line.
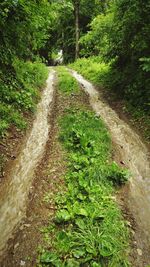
20, 92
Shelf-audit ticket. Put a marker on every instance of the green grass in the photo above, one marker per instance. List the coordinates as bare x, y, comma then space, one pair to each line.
67, 84
92, 69
88, 228
19, 93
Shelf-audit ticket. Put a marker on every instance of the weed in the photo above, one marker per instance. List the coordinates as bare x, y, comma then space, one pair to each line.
92, 69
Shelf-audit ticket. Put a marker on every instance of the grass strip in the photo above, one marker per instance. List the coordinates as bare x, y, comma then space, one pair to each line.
67, 84
88, 228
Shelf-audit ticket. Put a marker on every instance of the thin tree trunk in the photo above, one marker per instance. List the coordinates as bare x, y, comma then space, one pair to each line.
76, 5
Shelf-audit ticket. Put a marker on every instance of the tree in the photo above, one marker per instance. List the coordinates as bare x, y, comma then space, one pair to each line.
23, 28
77, 30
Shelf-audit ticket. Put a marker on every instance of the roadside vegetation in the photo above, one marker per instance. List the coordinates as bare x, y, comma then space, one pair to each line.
22, 73
21, 70
88, 228
19, 93
115, 54
99, 73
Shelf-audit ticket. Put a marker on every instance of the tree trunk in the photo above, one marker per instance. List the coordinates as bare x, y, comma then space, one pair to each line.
76, 7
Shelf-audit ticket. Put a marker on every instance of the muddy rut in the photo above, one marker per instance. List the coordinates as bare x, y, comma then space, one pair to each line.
13, 202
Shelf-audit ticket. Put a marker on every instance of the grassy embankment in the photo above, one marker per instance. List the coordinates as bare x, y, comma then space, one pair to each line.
19, 93
88, 228
99, 73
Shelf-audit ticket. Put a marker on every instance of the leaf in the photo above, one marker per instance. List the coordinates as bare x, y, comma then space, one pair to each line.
106, 248
80, 223
62, 215
49, 257
72, 263
79, 210
95, 264
78, 253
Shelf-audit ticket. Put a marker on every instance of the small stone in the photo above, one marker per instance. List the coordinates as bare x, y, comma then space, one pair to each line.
27, 225
139, 251
129, 224
22, 263
16, 245
21, 227
133, 232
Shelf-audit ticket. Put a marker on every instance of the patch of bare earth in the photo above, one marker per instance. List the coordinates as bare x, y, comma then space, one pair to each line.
23, 247
10, 147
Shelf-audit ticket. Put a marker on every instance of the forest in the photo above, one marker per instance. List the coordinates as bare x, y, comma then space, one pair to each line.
84, 220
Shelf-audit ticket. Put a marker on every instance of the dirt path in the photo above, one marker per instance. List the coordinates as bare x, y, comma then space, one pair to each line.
134, 198
133, 154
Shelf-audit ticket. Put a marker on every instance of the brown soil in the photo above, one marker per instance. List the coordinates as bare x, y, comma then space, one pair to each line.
10, 147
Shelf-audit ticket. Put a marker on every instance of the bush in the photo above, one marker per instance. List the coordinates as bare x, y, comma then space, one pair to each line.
19, 92
93, 69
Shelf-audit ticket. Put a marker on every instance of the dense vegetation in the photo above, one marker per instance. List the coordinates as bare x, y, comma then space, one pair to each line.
88, 228
119, 42
23, 30
31, 30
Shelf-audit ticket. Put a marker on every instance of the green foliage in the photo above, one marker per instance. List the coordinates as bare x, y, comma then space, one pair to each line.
93, 68
145, 64
24, 28
129, 46
103, 74
19, 92
121, 37
9, 115
96, 41
89, 229
66, 83
30, 73
63, 30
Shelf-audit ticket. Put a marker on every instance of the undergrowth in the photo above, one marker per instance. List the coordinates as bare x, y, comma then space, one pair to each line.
88, 228
93, 69
19, 92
